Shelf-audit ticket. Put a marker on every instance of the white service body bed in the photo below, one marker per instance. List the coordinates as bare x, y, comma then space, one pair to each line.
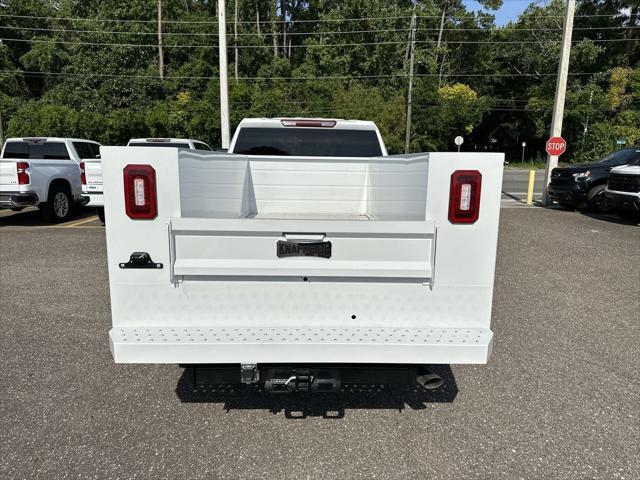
402, 285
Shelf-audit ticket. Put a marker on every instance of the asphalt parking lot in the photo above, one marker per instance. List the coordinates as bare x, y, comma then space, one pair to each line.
560, 398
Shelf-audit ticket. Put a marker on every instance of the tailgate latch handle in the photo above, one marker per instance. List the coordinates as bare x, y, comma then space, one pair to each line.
140, 260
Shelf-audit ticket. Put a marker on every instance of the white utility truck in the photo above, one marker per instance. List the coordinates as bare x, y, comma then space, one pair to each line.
320, 263
44, 172
92, 169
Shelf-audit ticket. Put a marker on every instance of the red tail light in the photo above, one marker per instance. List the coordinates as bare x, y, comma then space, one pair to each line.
23, 176
140, 192
464, 196
83, 176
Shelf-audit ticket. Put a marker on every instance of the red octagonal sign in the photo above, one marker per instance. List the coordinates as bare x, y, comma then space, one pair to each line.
556, 146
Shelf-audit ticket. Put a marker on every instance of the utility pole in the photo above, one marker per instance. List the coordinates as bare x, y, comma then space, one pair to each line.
407, 135
439, 63
283, 10
274, 28
235, 36
561, 90
258, 17
224, 90
160, 53
1, 130
441, 29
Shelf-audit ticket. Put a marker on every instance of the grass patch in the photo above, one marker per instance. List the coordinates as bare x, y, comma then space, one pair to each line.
536, 165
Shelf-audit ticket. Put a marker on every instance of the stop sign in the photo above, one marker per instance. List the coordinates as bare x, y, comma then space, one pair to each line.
556, 146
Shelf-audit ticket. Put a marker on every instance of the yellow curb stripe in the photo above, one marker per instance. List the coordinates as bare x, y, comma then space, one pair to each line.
81, 222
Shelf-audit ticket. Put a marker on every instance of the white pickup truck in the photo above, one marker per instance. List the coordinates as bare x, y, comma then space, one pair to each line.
92, 169
304, 260
623, 188
44, 172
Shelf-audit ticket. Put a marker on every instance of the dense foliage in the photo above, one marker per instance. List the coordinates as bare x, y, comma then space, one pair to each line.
91, 69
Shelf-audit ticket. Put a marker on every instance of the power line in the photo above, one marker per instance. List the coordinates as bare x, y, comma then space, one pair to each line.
453, 42
333, 77
302, 102
247, 106
107, 20
320, 20
108, 32
102, 44
320, 45
254, 34
493, 101
456, 29
306, 105
331, 32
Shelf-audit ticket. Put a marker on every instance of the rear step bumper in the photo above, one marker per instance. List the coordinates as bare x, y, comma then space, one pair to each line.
17, 199
94, 199
281, 378
215, 345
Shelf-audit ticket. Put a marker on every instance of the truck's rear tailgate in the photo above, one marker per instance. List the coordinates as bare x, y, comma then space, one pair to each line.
93, 174
337, 261
8, 175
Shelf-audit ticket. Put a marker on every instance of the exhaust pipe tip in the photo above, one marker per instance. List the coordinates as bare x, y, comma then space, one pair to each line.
429, 381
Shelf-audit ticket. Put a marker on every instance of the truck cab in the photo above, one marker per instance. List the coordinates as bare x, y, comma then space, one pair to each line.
44, 172
307, 137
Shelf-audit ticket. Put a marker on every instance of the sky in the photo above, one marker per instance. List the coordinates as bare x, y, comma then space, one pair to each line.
509, 11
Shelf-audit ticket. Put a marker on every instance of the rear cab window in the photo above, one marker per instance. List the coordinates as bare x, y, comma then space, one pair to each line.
201, 146
36, 150
307, 142
16, 150
87, 150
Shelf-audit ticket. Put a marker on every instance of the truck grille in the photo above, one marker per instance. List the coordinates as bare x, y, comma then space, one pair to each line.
624, 183
561, 177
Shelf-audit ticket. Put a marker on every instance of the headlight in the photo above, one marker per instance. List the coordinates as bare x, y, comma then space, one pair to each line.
580, 175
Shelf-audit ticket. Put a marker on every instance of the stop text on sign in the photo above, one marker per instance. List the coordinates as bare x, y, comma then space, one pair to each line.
556, 146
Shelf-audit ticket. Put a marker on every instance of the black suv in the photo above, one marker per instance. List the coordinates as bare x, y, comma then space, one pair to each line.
574, 185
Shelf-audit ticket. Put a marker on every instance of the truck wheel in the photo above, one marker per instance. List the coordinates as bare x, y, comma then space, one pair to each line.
596, 200
58, 206
100, 212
